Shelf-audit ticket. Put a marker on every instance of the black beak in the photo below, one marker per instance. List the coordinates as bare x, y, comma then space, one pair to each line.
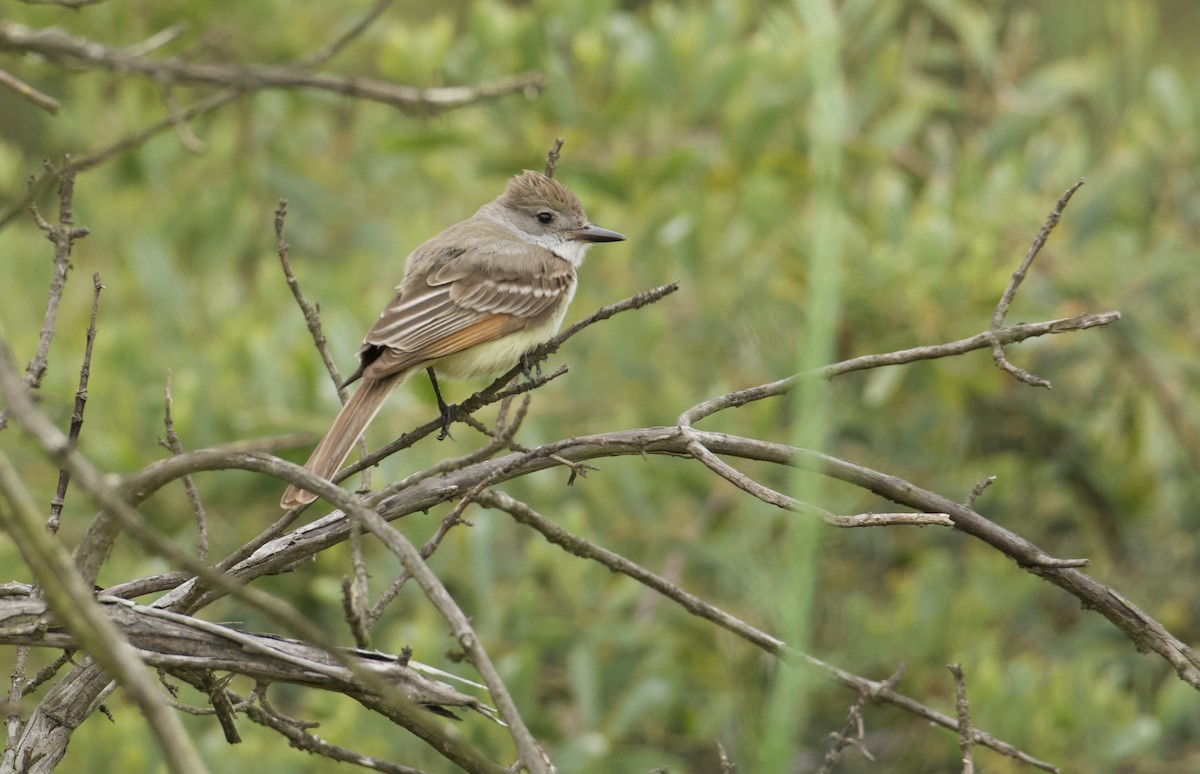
590, 233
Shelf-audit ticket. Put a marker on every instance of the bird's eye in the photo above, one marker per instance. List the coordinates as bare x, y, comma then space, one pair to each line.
545, 217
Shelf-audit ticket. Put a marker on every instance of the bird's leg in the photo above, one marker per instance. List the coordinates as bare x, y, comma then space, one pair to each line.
442, 407
530, 366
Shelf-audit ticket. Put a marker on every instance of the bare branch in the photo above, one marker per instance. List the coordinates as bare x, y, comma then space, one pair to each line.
301, 739
176, 642
963, 710
334, 47
1018, 276
1007, 335
123, 517
1039, 241
63, 237
853, 733
15, 84
85, 370
552, 157
74, 51
880, 692
193, 495
311, 318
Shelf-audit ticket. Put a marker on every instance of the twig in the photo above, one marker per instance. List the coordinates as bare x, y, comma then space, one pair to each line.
172, 443
727, 766
963, 709
85, 369
1007, 335
1018, 276
552, 157
978, 489
852, 733
48, 671
355, 591
15, 84
183, 130
771, 497
311, 317
63, 237
338, 44
157, 40
301, 739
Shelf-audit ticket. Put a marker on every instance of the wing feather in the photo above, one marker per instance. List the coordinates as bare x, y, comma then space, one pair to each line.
464, 301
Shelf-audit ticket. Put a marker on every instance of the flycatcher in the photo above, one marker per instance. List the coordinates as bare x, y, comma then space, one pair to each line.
473, 300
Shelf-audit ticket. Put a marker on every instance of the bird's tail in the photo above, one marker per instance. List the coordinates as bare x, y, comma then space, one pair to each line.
331, 452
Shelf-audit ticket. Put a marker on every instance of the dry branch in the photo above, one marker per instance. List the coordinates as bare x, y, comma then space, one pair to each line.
77, 52
173, 641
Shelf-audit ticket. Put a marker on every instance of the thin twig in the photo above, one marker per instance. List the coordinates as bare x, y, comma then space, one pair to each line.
301, 739
311, 317
355, 591
63, 237
1007, 335
963, 710
338, 44
552, 157
1018, 276
727, 766
780, 500
173, 443
853, 732
980, 486
30, 94
85, 370
47, 672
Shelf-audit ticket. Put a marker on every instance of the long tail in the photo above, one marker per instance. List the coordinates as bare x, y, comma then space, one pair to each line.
331, 452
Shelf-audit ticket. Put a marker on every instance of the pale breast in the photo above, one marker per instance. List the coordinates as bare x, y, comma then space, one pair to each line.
496, 357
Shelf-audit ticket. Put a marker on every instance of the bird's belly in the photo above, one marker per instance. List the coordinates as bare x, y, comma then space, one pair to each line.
495, 357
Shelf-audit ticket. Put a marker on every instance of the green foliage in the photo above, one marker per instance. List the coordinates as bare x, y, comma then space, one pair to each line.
699, 130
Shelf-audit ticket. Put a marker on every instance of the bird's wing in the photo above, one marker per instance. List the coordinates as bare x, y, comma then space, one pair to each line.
464, 302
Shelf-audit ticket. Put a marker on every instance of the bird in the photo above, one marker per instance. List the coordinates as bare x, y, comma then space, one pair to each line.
472, 301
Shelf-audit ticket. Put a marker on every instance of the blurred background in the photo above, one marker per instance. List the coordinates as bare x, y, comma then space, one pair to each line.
873, 168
